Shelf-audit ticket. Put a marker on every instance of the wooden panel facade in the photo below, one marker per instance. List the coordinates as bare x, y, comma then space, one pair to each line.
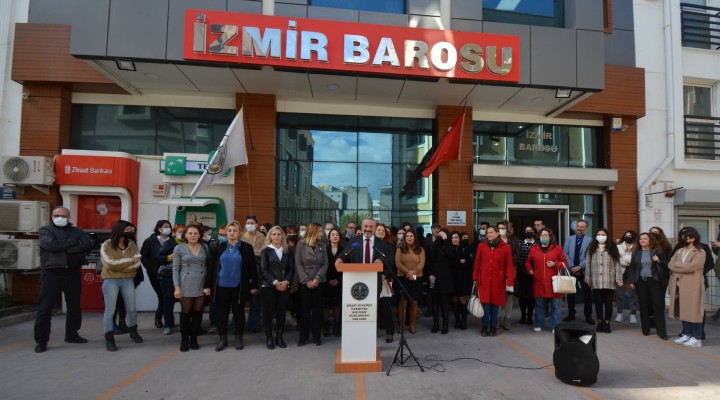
624, 94
621, 154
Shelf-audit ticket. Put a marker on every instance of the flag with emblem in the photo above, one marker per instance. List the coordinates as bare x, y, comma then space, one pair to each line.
230, 153
175, 165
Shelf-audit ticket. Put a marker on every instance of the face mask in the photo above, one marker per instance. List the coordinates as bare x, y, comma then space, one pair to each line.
601, 239
350, 235
60, 221
250, 228
302, 234
400, 237
166, 231
544, 241
483, 232
464, 242
222, 239
292, 238
628, 240
529, 235
207, 238
502, 232
129, 235
179, 236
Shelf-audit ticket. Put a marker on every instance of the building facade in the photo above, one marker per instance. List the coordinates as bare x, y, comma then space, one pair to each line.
540, 83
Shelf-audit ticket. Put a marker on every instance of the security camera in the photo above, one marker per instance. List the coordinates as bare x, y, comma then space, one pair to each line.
181, 208
25, 96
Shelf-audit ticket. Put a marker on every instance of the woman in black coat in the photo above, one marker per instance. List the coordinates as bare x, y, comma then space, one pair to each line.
333, 290
646, 273
277, 268
461, 265
440, 277
232, 279
148, 254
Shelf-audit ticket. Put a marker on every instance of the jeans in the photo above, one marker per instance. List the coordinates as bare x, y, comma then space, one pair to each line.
254, 315
111, 287
52, 283
540, 303
168, 292
692, 329
626, 298
491, 315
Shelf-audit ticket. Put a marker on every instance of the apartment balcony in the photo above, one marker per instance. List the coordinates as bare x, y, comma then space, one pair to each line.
700, 26
702, 138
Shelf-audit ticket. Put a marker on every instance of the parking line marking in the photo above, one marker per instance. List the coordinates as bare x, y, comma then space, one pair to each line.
527, 353
360, 393
28, 342
139, 374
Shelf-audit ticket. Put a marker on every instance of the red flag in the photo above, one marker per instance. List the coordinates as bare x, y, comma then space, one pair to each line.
449, 147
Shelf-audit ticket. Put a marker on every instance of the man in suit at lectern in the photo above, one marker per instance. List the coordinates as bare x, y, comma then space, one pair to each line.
367, 249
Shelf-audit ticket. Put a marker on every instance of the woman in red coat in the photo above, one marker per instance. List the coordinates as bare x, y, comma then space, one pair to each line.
545, 260
494, 274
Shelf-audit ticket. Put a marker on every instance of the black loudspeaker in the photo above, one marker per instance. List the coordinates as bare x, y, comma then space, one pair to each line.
575, 357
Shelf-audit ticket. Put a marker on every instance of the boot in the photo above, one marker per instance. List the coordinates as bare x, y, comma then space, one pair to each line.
326, 328
607, 327
493, 331
195, 329
456, 314
239, 342
413, 316
336, 328
463, 317
269, 342
402, 308
222, 343
600, 326
134, 335
484, 331
279, 337
445, 326
110, 341
120, 328
435, 326
184, 332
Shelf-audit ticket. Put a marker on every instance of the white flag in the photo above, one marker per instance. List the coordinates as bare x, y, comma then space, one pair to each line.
230, 153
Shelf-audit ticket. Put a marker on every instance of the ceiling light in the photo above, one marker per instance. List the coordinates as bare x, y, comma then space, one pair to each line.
151, 75
125, 64
536, 99
333, 86
563, 93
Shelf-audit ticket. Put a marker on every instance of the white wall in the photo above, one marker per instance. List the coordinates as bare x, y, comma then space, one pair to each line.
11, 12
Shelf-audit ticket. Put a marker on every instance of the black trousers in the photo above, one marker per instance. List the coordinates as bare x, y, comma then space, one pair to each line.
227, 299
387, 313
651, 299
274, 304
603, 303
587, 298
440, 307
52, 283
155, 283
311, 304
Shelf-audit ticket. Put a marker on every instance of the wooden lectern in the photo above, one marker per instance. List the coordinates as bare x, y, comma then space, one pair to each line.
358, 350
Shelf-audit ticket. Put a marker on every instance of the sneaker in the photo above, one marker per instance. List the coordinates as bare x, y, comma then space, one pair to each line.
537, 329
693, 343
212, 329
167, 331
633, 319
620, 318
683, 339
553, 331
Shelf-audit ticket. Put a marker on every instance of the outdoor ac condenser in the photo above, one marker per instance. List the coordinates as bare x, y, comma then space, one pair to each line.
23, 216
19, 254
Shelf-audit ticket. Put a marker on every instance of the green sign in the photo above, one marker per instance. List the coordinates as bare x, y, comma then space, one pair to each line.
175, 165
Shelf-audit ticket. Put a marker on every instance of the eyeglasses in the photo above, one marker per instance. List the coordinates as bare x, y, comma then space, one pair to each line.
59, 216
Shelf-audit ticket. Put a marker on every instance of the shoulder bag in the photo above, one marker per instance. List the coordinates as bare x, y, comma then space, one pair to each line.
474, 306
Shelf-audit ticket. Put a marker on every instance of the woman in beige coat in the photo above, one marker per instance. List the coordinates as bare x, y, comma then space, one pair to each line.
687, 288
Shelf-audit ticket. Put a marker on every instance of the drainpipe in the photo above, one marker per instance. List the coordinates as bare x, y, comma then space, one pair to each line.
670, 120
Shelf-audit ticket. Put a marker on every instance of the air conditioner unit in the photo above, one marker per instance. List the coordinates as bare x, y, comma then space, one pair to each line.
27, 170
19, 254
23, 216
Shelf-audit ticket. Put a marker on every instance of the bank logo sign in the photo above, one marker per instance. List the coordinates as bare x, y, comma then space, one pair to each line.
225, 37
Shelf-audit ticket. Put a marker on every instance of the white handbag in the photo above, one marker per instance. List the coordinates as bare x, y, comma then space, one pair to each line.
565, 284
474, 306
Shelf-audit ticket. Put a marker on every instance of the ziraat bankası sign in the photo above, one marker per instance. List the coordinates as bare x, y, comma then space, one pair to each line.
250, 39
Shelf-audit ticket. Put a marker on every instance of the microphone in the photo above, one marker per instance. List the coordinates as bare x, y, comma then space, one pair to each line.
354, 245
379, 252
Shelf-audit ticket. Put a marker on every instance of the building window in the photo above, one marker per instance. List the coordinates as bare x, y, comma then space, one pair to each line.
525, 12
387, 6
353, 167
702, 130
144, 130
700, 24
517, 143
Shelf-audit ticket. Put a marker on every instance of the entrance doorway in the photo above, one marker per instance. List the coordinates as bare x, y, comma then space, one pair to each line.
555, 217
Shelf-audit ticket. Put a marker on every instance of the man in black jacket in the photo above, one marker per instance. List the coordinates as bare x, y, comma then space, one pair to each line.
62, 253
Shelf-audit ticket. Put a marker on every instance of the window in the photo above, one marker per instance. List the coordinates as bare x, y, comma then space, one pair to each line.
700, 24
702, 131
353, 167
387, 6
517, 143
146, 130
526, 12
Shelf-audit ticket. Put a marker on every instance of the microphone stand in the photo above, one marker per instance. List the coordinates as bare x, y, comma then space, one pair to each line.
400, 357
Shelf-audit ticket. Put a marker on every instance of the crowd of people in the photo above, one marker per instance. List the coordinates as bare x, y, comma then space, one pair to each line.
295, 269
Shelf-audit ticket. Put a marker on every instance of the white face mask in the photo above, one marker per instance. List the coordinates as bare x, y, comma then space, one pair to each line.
60, 221
166, 231
302, 234
483, 232
207, 238
250, 228
502, 232
179, 235
601, 239
400, 236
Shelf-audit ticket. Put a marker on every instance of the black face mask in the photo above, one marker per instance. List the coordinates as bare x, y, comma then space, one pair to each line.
292, 238
655, 235
628, 240
529, 235
464, 242
129, 235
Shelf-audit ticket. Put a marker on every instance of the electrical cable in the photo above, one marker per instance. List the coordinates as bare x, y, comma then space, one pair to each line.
439, 367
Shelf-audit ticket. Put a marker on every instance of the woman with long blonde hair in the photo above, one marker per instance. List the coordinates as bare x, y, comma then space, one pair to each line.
277, 267
311, 265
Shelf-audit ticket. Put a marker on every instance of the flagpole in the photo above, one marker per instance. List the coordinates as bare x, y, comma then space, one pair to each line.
459, 174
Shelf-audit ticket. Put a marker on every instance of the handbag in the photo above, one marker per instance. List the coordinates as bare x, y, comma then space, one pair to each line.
565, 284
165, 271
474, 306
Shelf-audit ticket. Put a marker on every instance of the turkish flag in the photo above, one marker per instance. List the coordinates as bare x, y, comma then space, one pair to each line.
449, 147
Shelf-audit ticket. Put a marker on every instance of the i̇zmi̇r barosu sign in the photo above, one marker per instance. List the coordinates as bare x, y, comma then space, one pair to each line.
218, 36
